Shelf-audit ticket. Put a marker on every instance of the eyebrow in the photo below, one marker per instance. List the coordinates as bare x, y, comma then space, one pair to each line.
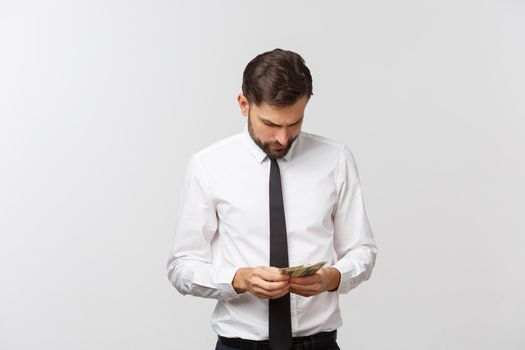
266, 121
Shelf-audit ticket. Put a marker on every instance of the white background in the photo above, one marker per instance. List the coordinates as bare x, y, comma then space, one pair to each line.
102, 103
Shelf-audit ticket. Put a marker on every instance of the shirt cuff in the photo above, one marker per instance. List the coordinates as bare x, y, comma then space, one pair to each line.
224, 283
345, 269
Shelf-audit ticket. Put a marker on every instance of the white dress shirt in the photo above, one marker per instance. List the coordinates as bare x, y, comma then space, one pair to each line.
223, 224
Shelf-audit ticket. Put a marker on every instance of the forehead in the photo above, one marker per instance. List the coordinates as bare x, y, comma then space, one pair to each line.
286, 115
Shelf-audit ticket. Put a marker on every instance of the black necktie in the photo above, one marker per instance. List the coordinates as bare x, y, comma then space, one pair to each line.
280, 324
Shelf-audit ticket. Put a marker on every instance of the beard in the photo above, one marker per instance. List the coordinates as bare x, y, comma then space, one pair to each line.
267, 146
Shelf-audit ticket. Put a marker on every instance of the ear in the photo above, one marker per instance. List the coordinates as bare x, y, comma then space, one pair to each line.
243, 104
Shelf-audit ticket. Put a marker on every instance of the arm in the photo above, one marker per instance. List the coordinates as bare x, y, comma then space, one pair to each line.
353, 239
189, 267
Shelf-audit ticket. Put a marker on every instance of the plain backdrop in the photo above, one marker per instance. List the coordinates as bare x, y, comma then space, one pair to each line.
103, 102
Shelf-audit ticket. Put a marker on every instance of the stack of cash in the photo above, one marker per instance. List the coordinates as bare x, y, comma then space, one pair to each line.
302, 270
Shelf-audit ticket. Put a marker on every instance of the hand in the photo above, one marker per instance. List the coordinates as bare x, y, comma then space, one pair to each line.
326, 279
264, 282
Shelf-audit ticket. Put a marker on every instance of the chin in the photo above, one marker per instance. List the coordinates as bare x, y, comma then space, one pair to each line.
278, 155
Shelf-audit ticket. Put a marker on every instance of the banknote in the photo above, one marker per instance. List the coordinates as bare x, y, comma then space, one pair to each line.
302, 270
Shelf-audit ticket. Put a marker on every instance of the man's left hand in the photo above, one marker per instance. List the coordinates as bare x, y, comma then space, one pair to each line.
326, 279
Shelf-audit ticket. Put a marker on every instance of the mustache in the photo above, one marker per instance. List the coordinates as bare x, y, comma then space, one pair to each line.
277, 144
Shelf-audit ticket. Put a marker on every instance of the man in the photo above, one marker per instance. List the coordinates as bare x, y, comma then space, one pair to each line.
269, 197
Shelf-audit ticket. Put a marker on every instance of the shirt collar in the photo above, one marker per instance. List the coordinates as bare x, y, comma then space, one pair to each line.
258, 153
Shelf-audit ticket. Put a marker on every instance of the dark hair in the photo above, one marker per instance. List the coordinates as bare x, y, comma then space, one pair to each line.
278, 77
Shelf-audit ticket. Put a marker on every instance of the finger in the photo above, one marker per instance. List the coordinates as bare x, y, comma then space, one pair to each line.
313, 288
279, 293
299, 292
272, 269
275, 273
302, 292
283, 293
271, 274
266, 294
261, 296
315, 278
270, 286
261, 284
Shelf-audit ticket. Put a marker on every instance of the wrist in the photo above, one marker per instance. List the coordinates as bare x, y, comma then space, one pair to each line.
238, 282
334, 279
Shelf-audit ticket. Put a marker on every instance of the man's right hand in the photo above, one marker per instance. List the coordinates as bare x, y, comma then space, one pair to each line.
262, 281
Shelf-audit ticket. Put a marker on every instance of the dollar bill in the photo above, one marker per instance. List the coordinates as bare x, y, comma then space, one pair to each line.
302, 270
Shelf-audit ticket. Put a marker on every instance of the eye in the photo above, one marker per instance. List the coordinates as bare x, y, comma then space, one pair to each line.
297, 122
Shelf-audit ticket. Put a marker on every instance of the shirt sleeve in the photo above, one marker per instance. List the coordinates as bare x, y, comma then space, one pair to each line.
353, 239
189, 266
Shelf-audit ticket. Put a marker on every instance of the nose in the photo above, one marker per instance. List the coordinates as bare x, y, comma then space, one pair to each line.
282, 136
